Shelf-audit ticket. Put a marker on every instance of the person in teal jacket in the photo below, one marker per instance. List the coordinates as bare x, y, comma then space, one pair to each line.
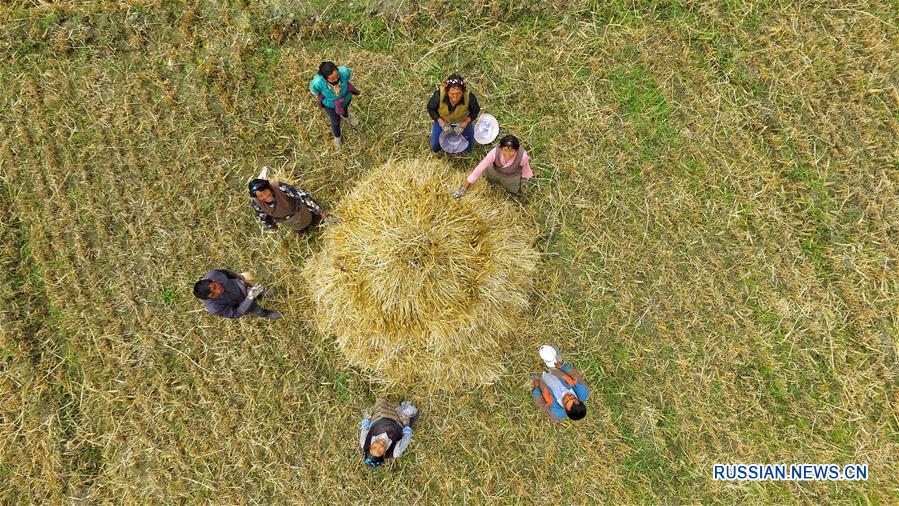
332, 87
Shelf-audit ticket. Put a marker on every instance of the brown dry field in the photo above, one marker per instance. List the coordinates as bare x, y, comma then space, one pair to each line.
717, 200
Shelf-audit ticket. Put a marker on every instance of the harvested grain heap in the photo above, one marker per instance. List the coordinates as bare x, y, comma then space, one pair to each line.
418, 287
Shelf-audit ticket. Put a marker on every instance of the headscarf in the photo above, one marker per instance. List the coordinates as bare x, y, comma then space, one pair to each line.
454, 80
258, 185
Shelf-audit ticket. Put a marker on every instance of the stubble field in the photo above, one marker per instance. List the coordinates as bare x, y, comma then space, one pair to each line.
717, 197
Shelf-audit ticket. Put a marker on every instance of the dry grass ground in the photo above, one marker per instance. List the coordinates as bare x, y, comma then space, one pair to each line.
717, 188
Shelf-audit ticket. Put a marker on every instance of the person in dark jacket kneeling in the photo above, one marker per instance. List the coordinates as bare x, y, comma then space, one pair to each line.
229, 295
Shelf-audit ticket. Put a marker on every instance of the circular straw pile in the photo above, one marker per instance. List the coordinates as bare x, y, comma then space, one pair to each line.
420, 288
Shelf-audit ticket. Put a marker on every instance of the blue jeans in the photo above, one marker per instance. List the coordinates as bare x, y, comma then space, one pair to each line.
335, 118
468, 133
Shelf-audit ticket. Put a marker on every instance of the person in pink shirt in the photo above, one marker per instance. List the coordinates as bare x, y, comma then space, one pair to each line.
507, 164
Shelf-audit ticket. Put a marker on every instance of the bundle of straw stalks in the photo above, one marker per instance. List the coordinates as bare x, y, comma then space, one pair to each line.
419, 288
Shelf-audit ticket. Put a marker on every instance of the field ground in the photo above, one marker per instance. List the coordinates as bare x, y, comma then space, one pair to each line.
718, 200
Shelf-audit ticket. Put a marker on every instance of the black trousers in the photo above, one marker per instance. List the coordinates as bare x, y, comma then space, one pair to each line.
335, 118
257, 310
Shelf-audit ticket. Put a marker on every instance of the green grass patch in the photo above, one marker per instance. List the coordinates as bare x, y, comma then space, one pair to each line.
645, 108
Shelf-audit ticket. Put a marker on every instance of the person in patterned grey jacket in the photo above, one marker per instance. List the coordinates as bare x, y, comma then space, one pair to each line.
276, 203
386, 431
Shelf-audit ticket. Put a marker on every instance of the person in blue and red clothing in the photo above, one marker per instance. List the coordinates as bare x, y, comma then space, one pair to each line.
453, 107
559, 392
332, 87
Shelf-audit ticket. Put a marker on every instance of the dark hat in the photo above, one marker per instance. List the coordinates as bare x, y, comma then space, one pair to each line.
258, 185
